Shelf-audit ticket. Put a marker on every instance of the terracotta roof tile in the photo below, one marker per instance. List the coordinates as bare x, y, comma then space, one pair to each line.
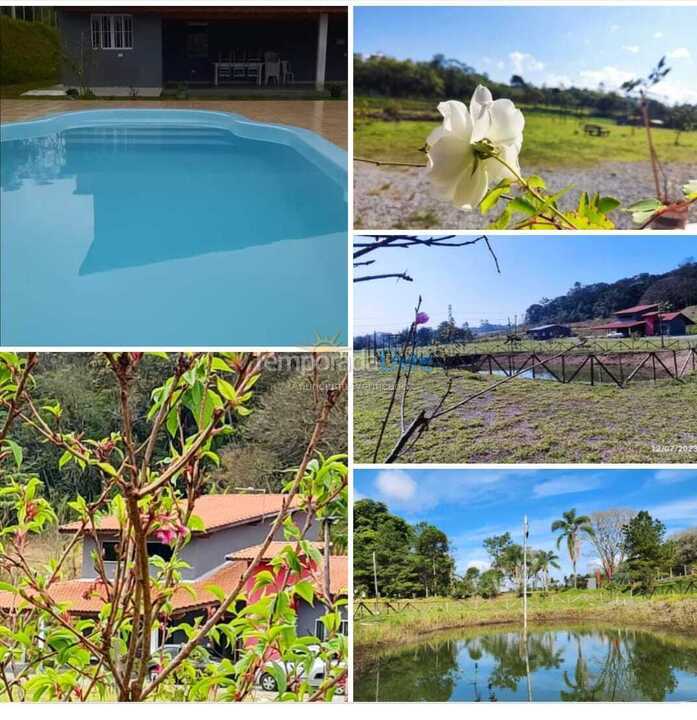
271, 551
216, 511
636, 309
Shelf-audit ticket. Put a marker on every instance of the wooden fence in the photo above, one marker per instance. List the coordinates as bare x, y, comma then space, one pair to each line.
616, 368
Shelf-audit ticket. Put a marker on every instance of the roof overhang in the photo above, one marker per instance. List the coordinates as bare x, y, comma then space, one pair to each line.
214, 12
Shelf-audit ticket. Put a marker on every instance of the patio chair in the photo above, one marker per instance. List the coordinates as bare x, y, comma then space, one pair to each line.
272, 68
254, 71
288, 76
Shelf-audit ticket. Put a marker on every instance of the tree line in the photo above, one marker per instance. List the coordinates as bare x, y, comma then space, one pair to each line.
442, 77
255, 456
676, 289
395, 559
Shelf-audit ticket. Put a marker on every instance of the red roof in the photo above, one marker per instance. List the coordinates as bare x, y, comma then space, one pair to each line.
273, 549
636, 309
216, 511
87, 597
338, 564
671, 316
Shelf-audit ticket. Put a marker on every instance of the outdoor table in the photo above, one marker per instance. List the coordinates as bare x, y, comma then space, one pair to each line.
232, 65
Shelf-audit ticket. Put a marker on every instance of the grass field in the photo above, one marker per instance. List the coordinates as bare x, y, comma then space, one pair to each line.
531, 421
550, 141
372, 632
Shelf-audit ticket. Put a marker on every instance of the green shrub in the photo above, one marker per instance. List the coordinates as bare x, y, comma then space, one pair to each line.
336, 89
692, 329
28, 52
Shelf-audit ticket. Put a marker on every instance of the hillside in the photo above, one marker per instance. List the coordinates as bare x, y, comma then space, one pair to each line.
677, 288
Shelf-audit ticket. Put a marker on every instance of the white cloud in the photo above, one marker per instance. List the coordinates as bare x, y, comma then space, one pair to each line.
553, 80
670, 477
566, 484
610, 76
658, 35
671, 92
678, 510
500, 65
634, 49
680, 53
395, 485
481, 565
524, 62
615, 28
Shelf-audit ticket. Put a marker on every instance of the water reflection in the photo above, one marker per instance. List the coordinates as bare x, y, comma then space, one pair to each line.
164, 193
582, 663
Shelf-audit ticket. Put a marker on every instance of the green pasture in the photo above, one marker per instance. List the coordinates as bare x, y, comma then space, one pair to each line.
529, 421
550, 141
388, 627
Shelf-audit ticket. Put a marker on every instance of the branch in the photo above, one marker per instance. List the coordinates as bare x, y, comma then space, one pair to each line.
399, 276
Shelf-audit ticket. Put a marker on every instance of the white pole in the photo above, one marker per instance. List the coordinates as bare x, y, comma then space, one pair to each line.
525, 574
525, 605
322, 32
375, 577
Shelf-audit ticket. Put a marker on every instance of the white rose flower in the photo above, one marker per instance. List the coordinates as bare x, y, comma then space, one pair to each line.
458, 173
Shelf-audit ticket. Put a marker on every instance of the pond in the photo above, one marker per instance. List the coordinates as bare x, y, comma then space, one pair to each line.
571, 663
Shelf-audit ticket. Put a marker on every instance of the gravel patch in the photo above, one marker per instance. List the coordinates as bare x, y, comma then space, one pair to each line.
401, 198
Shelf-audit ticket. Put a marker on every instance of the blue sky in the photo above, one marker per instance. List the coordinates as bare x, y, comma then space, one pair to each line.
581, 46
471, 505
531, 268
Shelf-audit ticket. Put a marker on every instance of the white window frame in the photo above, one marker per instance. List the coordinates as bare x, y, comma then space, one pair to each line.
321, 633
107, 26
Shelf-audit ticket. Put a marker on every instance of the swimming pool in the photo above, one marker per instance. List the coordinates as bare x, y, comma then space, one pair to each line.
170, 228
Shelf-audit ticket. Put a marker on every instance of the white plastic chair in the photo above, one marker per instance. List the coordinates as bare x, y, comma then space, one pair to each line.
272, 68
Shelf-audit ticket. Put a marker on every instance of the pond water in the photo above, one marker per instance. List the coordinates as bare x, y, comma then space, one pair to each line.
579, 663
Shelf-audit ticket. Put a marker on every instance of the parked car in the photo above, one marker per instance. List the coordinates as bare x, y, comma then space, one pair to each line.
267, 681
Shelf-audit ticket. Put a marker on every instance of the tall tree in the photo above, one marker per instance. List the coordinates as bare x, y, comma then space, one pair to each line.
571, 529
608, 537
647, 554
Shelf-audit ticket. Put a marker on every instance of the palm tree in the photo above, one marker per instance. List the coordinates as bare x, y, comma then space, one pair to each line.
544, 560
571, 527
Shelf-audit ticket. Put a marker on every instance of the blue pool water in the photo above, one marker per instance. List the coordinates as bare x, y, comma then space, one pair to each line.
169, 227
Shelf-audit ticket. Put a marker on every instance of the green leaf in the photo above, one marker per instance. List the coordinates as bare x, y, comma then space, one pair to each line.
535, 181
278, 674
227, 390
196, 524
305, 590
606, 204
215, 590
16, 451
645, 206
492, 197
6, 587
107, 468
66, 457
521, 205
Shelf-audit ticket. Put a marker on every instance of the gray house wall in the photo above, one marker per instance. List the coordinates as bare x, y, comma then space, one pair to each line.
139, 67
308, 615
204, 553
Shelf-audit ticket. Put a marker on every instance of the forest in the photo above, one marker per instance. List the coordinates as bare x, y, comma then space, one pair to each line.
415, 561
257, 455
676, 289
443, 77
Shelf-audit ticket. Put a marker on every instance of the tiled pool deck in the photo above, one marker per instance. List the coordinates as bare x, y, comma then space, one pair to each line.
327, 118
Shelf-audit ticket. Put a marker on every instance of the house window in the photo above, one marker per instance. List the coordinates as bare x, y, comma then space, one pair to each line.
110, 551
164, 551
321, 633
112, 32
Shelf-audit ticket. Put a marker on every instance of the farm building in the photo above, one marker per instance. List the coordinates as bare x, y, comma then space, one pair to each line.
646, 320
549, 332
